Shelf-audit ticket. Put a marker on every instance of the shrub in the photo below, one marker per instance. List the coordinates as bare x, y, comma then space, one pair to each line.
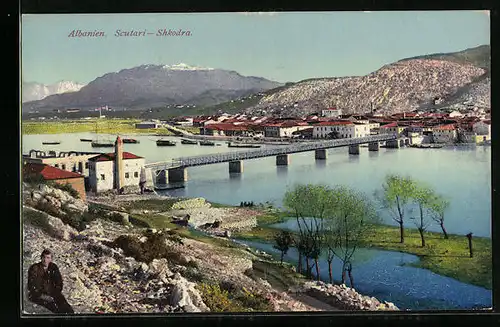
67, 188
193, 275
256, 302
154, 248
38, 219
218, 299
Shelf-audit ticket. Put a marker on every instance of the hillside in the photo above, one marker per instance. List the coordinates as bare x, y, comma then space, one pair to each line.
150, 86
406, 85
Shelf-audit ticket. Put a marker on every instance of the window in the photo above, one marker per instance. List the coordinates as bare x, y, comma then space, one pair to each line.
63, 167
126, 175
102, 177
136, 174
86, 165
56, 165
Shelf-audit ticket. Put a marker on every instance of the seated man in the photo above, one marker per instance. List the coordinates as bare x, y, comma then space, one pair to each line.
45, 285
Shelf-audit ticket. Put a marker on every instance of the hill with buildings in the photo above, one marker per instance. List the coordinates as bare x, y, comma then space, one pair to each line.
150, 86
457, 80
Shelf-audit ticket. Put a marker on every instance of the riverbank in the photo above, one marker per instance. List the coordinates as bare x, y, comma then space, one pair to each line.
446, 257
104, 126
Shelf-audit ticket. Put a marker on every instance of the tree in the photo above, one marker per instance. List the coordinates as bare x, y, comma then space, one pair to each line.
309, 204
438, 207
395, 195
423, 197
283, 241
349, 217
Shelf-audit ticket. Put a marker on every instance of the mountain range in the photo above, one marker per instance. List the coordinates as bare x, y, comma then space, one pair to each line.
32, 91
434, 81
149, 86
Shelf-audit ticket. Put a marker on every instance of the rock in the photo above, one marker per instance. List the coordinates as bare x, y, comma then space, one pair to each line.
160, 267
186, 296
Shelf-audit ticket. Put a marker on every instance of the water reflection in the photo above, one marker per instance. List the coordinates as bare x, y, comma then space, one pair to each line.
235, 176
282, 171
320, 163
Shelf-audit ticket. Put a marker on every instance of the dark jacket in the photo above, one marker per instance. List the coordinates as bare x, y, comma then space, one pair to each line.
41, 281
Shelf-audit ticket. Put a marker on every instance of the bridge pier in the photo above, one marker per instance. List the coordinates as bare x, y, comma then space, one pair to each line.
320, 154
149, 179
373, 146
235, 167
354, 149
162, 176
177, 175
393, 144
282, 160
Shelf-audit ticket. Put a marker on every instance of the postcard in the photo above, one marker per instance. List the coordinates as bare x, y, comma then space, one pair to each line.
256, 162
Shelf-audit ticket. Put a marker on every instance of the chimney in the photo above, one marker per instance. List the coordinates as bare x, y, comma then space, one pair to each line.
118, 164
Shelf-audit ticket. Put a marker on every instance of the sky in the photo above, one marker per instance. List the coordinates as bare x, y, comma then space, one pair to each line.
283, 46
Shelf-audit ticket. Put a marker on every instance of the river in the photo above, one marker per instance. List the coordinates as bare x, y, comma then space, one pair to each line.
462, 174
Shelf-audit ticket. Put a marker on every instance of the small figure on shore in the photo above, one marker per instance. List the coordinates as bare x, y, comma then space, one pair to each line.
141, 186
469, 237
45, 285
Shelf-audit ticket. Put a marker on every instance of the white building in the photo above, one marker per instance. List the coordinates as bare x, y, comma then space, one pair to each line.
444, 133
455, 114
331, 112
285, 129
105, 173
392, 128
341, 129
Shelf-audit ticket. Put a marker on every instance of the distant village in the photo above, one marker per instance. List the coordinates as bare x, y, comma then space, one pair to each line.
331, 123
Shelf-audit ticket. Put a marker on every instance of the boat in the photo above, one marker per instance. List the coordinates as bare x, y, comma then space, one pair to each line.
427, 146
85, 140
165, 143
207, 143
188, 141
133, 141
242, 145
164, 187
51, 143
101, 144
97, 144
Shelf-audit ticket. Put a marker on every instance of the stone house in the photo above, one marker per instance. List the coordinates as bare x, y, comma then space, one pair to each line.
48, 173
445, 133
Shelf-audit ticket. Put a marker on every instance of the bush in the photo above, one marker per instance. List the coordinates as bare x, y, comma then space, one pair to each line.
193, 274
218, 299
66, 187
38, 219
256, 302
154, 248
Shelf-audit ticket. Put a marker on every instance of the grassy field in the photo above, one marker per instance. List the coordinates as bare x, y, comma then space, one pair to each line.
445, 257
104, 126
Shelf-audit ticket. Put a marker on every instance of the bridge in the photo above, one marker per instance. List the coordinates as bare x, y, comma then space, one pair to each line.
175, 171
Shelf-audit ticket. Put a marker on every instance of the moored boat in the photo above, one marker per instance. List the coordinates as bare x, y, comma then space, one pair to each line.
85, 140
51, 143
133, 141
188, 141
207, 143
242, 145
165, 143
97, 144
427, 146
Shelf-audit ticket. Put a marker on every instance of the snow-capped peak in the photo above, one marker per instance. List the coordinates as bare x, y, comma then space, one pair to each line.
183, 66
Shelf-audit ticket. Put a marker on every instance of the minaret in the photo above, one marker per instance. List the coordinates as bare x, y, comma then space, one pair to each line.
119, 175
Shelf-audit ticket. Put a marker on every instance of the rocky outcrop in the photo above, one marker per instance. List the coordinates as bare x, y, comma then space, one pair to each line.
52, 200
342, 297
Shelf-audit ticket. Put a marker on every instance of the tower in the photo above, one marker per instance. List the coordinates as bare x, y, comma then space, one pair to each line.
119, 175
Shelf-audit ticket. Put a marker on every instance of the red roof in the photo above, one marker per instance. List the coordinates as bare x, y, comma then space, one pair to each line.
445, 127
334, 123
395, 124
48, 172
227, 127
111, 156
